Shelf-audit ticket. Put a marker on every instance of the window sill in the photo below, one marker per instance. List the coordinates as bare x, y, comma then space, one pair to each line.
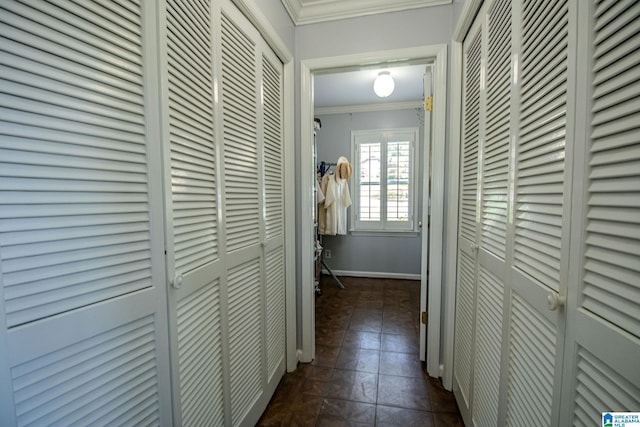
385, 233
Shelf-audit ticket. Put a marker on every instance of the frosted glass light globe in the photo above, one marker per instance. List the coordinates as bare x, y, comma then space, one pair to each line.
384, 84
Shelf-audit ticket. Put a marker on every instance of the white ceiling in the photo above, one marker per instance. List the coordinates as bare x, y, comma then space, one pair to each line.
355, 88
312, 11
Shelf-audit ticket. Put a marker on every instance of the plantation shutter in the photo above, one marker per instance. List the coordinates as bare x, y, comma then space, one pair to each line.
370, 185
83, 303
605, 347
194, 261
467, 233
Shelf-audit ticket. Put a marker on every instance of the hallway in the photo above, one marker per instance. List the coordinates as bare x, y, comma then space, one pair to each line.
367, 371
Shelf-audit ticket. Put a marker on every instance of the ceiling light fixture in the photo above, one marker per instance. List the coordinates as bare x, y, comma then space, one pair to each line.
384, 84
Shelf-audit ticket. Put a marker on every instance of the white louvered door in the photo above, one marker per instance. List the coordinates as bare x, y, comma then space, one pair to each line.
468, 232
141, 214
541, 190
603, 348
552, 298
224, 119
83, 303
493, 252
241, 213
251, 100
273, 196
195, 267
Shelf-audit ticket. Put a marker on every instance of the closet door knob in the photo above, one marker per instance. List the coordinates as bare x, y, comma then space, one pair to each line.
177, 281
474, 247
555, 301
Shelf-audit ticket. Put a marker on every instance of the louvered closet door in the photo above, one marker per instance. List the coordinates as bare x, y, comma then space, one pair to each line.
541, 207
468, 229
251, 118
83, 300
604, 349
194, 263
242, 206
273, 196
227, 304
494, 190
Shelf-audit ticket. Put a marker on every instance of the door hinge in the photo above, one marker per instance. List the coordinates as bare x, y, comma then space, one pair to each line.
428, 103
424, 317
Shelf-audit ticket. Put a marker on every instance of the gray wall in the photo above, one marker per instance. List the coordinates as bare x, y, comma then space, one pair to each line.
279, 19
426, 26
397, 30
370, 254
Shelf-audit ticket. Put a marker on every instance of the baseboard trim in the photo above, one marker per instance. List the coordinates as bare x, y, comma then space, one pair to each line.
374, 274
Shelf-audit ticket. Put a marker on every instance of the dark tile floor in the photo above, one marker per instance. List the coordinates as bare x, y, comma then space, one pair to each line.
367, 371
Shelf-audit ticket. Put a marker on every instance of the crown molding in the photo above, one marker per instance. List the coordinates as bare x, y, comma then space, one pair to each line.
340, 9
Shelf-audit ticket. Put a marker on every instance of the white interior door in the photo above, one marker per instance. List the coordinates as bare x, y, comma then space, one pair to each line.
195, 267
541, 191
552, 294
603, 342
243, 198
513, 246
426, 208
273, 242
468, 230
224, 108
83, 299
493, 219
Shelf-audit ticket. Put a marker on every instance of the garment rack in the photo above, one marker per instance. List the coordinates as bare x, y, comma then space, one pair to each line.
320, 168
323, 169
329, 269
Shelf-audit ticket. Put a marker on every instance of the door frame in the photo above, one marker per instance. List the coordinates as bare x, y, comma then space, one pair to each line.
437, 54
425, 229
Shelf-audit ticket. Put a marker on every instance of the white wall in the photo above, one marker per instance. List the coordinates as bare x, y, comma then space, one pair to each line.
370, 254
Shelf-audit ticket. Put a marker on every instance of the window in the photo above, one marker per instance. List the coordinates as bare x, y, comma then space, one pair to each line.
384, 180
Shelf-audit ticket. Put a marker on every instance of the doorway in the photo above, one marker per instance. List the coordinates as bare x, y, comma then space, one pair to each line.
309, 68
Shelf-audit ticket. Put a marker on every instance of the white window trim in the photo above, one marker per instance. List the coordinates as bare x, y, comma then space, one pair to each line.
384, 227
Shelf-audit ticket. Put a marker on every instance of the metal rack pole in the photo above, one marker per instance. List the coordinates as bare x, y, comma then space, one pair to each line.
332, 275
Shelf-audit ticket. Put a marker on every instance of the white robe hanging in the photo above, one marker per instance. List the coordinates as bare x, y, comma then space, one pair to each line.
336, 201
